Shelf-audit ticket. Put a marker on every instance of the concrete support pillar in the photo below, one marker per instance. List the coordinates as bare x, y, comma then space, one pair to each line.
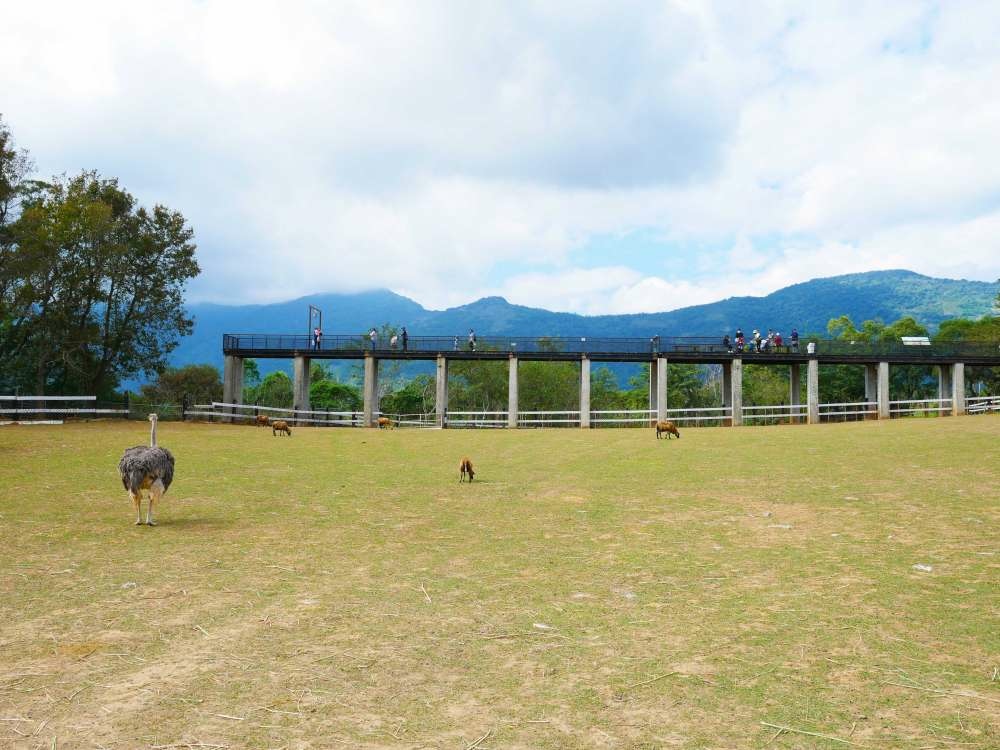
945, 388
370, 391
794, 389
812, 391
661, 388
958, 388
585, 392
232, 382
300, 384
512, 391
736, 391
727, 386
883, 390
871, 384
654, 385
441, 392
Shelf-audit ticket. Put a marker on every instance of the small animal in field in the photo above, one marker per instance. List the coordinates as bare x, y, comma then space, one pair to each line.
263, 420
668, 427
280, 425
384, 422
465, 468
148, 468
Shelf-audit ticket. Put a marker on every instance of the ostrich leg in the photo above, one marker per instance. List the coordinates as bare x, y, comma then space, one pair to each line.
137, 501
155, 492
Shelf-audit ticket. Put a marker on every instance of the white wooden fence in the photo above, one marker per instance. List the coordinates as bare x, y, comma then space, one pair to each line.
691, 417
862, 409
218, 410
920, 405
11, 409
982, 404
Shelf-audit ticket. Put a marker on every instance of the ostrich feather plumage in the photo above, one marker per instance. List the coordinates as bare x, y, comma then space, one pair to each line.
143, 465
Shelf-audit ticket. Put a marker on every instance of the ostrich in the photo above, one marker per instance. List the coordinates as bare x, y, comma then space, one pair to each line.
147, 468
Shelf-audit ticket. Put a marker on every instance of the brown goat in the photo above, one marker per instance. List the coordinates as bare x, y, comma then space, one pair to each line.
280, 425
465, 468
384, 422
668, 427
262, 420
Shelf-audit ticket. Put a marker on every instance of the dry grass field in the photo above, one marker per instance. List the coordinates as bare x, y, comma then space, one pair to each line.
590, 589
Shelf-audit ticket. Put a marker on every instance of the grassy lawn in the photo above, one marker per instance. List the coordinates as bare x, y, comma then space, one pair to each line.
590, 589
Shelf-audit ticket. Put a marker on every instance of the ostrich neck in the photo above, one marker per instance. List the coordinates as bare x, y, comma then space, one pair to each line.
152, 435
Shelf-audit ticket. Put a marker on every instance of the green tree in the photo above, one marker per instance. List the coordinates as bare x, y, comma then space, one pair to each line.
15, 166
604, 392
275, 390
251, 374
477, 385
416, 397
688, 387
549, 386
334, 395
92, 286
201, 383
985, 331
846, 382
318, 372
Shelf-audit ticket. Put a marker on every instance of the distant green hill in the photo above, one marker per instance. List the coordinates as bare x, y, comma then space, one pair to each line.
808, 306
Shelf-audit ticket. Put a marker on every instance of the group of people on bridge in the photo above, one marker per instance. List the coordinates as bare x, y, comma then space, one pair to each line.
772, 342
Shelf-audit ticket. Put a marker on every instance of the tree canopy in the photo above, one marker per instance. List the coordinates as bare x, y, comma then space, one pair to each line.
91, 283
200, 383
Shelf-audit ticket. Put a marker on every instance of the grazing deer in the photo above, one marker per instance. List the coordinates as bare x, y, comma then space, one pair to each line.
262, 420
465, 468
280, 425
384, 422
668, 427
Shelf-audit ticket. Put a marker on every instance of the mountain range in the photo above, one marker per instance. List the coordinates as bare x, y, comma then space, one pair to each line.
808, 306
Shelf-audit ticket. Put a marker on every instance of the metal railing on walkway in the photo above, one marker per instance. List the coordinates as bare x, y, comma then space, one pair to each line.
259, 344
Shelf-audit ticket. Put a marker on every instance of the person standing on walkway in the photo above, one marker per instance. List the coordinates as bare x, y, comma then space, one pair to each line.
372, 336
472, 340
795, 340
317, 337
406, 338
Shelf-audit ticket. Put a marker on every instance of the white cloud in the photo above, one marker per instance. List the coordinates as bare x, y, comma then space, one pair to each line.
449, 151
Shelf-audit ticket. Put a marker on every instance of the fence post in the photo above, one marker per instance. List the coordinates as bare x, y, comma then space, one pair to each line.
128, 405
184, 408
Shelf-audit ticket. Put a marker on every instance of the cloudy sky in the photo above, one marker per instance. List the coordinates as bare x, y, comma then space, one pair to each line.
581, 156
